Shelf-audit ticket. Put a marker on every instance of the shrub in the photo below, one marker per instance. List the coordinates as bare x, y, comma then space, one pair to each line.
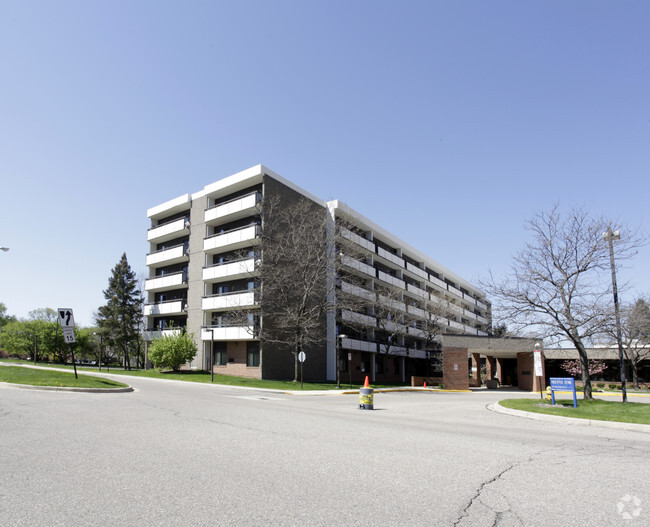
172, 351
600, 385
613, 387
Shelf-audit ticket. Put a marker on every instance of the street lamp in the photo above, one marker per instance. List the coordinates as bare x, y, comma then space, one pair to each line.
101, 342
610, 236
211, 330
339, 345
5, 249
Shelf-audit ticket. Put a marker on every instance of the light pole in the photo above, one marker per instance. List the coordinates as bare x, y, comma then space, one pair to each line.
5, 249
339, 345
101, 342
211, 330
610, 236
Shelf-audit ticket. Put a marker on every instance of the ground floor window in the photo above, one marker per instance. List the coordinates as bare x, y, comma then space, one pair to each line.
253, 354
220, 354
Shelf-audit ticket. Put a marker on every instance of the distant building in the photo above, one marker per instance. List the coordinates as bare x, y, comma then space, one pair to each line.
202, 261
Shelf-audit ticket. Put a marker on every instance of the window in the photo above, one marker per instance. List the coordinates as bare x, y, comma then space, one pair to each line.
379, 364
220, 354
253, 354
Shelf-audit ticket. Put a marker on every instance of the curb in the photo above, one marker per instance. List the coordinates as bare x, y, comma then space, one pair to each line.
68, 388
632, 427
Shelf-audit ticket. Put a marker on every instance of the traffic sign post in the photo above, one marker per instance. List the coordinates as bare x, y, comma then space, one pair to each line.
301, 358
66, 320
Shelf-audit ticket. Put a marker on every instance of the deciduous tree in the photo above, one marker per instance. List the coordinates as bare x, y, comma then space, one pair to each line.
172, 351
560, 282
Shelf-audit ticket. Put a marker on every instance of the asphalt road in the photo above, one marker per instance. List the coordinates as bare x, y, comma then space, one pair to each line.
189, 454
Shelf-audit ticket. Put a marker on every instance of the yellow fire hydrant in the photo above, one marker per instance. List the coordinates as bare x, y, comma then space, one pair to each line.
548, 396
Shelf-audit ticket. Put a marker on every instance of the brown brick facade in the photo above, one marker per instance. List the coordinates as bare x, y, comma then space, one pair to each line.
455, 369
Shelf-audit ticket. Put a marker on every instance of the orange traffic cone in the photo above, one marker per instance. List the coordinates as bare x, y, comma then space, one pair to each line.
425, 384
366, 384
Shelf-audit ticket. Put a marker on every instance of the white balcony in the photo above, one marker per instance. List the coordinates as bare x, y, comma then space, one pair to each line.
235, 239
153, 334
469, 314
482, 320
481, 333
167, 282
436, 281
469, 298
346, 287
168, 307
233, 209
357, 265
169, 231
456, 325
358, 345
358, 318
228, 333
359, 240
229, 270
416, 311
453, 308
416, 270
391, 303
417, 291
481, 305
390, 279
228, 301
469, 330
393, 350
172, 255
455, 291
390, 257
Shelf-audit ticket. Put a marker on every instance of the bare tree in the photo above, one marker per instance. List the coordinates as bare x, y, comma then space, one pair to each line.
635, 334
558, 283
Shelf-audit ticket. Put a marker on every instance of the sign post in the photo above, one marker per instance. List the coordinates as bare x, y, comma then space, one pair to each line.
66, 320
539, 370
301, 358
564, 384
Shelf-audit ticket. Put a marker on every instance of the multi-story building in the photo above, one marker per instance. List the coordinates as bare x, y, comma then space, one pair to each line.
204, 253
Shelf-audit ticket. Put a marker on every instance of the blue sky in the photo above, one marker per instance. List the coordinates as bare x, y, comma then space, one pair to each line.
447, 123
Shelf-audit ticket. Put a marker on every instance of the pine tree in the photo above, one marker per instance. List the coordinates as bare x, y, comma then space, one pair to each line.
119, 319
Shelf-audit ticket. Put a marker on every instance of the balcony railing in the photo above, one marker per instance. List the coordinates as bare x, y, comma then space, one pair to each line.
417, 291
234, 238
233, 206
169, 281
359, 240
166, 307
358, 345
390, 256
169, 255
416, 270
169, 230
153, 334
356, 290
436, 281
228, 333
359, 266
229, 270
232, 300
358, 318
390, 279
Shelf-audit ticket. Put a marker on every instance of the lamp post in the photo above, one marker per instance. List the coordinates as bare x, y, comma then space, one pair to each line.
101, 343
610, 236
339, 345
211, 330
4, 249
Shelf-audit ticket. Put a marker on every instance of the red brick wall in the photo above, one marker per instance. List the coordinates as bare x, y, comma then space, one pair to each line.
526, 372
237, 352
455, 369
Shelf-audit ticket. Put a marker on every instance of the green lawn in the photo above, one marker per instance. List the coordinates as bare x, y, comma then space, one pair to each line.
34, 377
589, 409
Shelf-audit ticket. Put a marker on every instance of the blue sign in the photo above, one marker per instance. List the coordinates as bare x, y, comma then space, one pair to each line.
563, 384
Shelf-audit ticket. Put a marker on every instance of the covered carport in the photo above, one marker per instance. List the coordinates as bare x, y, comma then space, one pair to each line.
508, 361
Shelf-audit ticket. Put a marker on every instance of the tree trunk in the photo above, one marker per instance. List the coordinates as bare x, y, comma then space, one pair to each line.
586, 378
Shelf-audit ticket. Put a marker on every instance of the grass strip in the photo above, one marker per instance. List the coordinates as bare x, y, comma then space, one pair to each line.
595, 409
34, 377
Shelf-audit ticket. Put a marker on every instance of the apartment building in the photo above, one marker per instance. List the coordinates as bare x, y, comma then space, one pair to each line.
203, 264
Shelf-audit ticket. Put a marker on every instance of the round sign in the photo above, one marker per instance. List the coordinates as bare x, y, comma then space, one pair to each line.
302, 356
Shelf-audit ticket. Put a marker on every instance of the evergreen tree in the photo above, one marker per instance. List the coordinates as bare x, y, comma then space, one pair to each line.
119, 319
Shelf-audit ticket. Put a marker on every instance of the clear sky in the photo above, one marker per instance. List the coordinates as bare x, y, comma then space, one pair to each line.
447, 123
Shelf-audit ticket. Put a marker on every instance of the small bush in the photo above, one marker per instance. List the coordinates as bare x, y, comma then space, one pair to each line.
613, 387
600, 385
172, 351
